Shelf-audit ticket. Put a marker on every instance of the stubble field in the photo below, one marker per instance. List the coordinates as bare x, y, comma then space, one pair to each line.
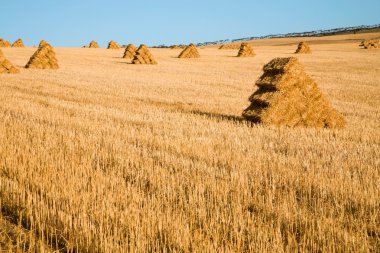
105, 156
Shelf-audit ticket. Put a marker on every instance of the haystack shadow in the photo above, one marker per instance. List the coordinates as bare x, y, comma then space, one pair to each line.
219, 116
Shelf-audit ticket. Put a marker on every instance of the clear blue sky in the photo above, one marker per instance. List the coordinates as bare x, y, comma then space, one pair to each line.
69, 23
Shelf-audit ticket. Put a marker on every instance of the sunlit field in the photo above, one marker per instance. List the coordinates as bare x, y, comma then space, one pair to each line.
105, 156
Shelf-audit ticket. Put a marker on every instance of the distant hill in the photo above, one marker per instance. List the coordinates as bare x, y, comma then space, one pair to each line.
318, 33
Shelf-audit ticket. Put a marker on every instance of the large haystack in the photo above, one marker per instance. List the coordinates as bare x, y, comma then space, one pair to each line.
6, 66
246, 50
143, 56
18, 43
113, 45
130, 51
93, 44
5, 43
230, 46
189, 52
43, 58
288, 96
303, 48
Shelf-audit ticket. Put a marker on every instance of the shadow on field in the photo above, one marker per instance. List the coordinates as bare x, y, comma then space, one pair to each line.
218, 116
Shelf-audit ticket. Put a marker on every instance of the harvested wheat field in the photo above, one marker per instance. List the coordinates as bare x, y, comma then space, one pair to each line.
105, 156
230, 46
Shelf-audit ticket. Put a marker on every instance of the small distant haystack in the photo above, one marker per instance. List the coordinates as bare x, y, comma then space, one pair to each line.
363, 43
174, 47
189, 52
93, 44
143, 56
246, 50
42, 43
288, 96
130, 51
5, 43
303, 48
18, 43
230, 46
113, 45
370, 44
6, 66
43, 58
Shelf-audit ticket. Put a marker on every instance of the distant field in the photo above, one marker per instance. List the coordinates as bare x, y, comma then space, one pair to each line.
333, 39
106, 156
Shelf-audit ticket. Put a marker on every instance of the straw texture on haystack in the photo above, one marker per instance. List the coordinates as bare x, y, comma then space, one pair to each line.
6, 66
245, 50
130, 51
230, 46
5, 43
93, 44
42, 43
113, 45
43, 58
143, 56
288, 96
303, 48
18, 43
370, 44
189, 52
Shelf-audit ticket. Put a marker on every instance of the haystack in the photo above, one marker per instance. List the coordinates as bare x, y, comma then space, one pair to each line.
42, 43
370, 44
189, 52
245, 50
303, 48
6, 66
363, 43
5, 43
43, 58
93, 44
230, 46
174, 47
130, 51
288, 96
143, 56
113, 45
18, 43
